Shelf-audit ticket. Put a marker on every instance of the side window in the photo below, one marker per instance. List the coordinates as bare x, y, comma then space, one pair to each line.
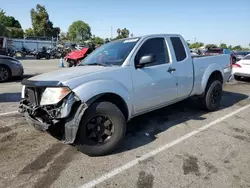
156, 46
179, 49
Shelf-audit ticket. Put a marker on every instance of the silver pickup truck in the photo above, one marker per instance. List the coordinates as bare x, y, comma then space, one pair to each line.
91, 103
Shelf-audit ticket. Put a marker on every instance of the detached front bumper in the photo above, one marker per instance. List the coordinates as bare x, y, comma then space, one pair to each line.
63, 117
35, 123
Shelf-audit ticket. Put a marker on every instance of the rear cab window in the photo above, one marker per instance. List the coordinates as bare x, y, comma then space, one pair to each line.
214, 51
179, 49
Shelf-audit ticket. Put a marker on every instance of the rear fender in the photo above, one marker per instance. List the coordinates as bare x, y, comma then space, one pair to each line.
211, 68
95, 88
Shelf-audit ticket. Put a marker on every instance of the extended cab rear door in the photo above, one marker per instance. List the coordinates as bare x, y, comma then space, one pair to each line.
154, 84
184, 66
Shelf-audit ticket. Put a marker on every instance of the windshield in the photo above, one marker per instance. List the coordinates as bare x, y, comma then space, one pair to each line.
112, 53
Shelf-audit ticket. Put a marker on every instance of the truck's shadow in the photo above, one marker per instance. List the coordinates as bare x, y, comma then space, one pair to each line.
145, 128
10, 97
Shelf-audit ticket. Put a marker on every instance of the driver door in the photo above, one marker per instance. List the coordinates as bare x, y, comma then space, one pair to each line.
154, 85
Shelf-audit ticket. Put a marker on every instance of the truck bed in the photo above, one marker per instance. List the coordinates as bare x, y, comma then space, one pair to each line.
206, 62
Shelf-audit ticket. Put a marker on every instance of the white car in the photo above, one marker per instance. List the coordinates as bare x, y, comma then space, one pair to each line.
242, 68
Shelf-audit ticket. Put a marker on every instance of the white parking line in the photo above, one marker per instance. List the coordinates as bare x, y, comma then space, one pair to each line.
8, 113
156, 151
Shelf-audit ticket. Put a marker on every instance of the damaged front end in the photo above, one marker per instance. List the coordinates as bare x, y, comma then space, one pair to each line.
53, 108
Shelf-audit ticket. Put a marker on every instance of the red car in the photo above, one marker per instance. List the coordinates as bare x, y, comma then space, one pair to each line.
76, 56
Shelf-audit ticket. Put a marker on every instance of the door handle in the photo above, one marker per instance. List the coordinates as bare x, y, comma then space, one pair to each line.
170, 70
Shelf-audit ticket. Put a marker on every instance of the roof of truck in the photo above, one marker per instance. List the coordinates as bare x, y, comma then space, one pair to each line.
151, 35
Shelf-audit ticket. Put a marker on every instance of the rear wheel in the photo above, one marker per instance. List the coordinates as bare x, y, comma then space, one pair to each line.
102, 129
5, 73
212, 97
238, 78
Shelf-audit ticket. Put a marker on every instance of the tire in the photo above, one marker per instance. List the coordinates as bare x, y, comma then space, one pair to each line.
69, 64
208, 102
47, 56
238, 78
117, 120
5, 73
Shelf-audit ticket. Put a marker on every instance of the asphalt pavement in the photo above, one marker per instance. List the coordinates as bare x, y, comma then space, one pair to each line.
177, 146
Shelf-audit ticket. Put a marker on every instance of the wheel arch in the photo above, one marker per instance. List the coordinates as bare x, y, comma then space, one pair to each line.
113, 98
109, 90
214, 71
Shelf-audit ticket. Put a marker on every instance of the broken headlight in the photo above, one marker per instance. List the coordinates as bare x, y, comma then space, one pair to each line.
53, 95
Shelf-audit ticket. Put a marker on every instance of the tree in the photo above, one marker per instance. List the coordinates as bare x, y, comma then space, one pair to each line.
15, 32
196, 45
122, 33
3, 30
9, 21
211, 46
223, 45
29, 32
238, 47
230, 47
64, 36
10, 27
97, 40
79, 31
41, 24
106, 40
118, 31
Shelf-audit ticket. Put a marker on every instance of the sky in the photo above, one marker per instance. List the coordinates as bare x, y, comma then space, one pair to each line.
208, 21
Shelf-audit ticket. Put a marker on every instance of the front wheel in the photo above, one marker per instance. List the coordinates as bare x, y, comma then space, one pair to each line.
212, 97
101, 130
69, 63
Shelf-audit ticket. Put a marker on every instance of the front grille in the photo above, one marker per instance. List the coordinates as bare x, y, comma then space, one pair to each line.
33, 95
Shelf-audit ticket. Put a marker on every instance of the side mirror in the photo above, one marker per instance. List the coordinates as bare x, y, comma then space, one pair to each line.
146, 59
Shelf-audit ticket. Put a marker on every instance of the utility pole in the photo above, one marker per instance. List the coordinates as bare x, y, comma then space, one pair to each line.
194, 40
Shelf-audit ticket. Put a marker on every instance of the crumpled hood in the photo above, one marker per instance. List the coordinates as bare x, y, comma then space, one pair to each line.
66, 74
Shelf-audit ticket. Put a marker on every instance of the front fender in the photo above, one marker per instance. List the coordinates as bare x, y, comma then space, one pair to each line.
94, 88
211, 68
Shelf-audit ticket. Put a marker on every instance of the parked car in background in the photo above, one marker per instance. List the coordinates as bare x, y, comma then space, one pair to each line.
215, 51
242, 68
9, 67
240, 54
92, 102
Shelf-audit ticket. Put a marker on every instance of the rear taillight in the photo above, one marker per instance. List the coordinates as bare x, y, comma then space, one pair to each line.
231, 62
236, 65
